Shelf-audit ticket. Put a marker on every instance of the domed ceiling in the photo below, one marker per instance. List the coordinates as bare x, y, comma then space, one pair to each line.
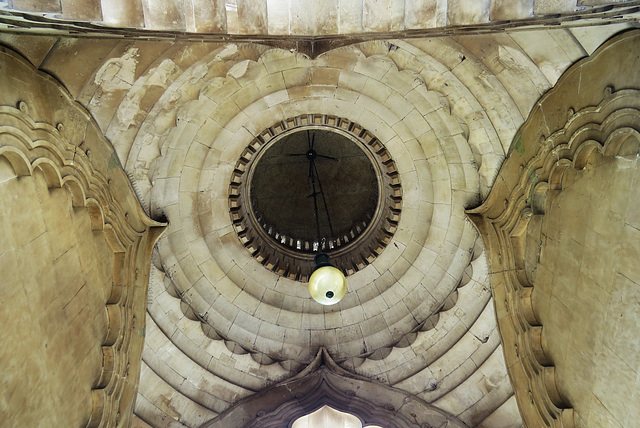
418, 316
426, 120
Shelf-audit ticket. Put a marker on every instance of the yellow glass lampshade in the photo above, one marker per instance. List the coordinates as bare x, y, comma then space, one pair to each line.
327, 285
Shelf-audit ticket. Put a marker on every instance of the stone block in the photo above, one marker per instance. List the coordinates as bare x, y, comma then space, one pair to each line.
461, 12
86, 11
383, 15
205, 16
123, 13
420, 13
35, 5
507, 10
252, 17
544, 7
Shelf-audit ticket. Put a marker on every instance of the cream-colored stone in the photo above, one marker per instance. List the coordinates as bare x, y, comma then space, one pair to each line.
440, 105
163, 15
315, 18
467, 12
89, 11
505, 9
542, 50
545, 6
252, 16
383, 16
417, 14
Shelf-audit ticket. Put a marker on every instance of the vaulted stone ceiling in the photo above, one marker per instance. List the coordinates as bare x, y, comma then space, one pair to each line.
220, 325
418, 317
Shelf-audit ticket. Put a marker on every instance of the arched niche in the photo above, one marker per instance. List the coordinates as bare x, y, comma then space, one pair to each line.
328, 417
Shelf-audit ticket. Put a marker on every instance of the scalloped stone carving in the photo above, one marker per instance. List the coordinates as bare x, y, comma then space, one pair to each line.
323, 382
35, 148
537, 170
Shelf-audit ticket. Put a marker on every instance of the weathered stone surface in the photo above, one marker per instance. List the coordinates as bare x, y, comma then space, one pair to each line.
315, 18
586, 300
123, 13
70, 285
542, 7
510, 9
460, 12
36, 5
252, 16
205, 16
382, 15
86, 11
181, 110
572, 236
163, 15
419, 14
218, 18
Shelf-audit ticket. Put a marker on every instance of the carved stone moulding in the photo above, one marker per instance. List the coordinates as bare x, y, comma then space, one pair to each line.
540, 166
351, 249
322, 383
76, 157
31, 147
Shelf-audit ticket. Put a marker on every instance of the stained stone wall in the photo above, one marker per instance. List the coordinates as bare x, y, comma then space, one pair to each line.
588, 291
587, 282
561, 224
75, 251
53, 299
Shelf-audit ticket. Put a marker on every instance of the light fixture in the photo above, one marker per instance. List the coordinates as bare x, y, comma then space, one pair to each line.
327, 284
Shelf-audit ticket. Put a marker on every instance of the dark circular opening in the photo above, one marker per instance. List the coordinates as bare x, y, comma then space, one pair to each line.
314, 185
357, 203
329, 294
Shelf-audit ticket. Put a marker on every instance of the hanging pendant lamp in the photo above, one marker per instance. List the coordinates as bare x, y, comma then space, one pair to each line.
327, 284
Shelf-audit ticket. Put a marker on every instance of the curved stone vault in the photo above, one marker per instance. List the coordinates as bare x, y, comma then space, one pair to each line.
221, 326
417, 317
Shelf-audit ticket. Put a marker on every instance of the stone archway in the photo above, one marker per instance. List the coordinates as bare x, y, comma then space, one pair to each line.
322, 383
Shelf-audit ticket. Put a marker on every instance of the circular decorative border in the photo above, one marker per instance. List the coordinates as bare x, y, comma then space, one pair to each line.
293, 258
308, 249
